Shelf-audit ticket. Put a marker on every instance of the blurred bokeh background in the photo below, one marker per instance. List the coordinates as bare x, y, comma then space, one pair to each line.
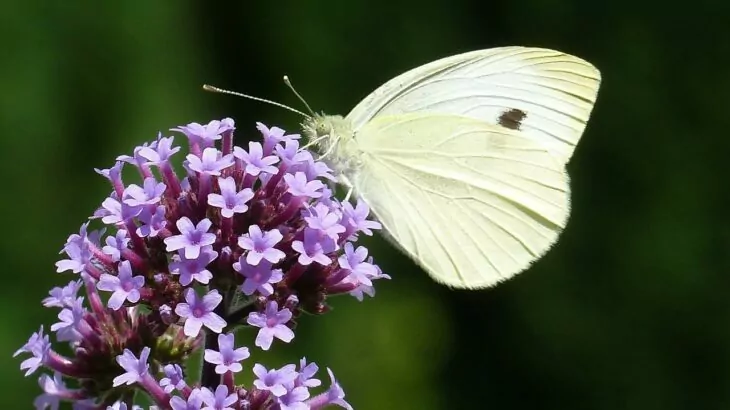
630, 310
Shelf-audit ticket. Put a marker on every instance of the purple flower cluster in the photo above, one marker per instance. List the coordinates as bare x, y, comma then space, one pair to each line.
246, 239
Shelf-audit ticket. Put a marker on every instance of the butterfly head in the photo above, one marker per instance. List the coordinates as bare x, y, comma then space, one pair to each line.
333, 137
326, 131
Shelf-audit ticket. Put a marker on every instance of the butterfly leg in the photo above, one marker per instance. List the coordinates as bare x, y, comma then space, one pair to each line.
349, 193
346, 182
330, 148
313, 142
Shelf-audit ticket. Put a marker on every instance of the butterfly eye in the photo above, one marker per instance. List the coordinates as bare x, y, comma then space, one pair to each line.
322, 129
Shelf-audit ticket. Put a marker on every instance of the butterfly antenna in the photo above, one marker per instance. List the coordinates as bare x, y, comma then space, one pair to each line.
211, 88
291, 87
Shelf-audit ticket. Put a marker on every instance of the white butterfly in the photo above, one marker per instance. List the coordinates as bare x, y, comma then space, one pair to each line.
463, 159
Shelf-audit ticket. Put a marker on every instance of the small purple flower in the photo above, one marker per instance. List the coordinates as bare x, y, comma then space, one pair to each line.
193, 269
174, 378
335, 394
39, 345
255, 160
210, 163
354, 261
329, 200
316, 169
199, 311
299, 185
153, 221
76, 262
116, 244
84, 238
274, 380
226, 358
71, 318
294, 399
291, 155
192, 238
361, 290
220, 400
161, 153
205, 135
306, 374
194, 401
111, 211
79, 255
230, 201
126, 286
151, 194
134, 368
322, 218
136, 159
114, 212
258, 278
54, 389
113, 174
314, 248
356, 217
273, 324
260, 245
63, 297
273, 136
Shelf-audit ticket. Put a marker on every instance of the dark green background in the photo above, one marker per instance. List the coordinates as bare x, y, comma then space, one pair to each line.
628, 311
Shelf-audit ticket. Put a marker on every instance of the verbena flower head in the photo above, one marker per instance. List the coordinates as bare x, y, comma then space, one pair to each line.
242, 238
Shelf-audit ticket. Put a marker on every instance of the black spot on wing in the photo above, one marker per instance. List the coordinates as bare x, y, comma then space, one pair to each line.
512, 118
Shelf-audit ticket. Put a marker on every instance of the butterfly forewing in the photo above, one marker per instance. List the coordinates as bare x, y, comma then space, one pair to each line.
554, 91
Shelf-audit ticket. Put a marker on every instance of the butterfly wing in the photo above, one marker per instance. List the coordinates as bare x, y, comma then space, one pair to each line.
546, 94
472, 203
